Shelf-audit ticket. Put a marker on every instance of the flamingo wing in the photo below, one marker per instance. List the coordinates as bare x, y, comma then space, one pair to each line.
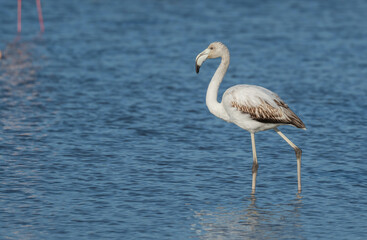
262, 105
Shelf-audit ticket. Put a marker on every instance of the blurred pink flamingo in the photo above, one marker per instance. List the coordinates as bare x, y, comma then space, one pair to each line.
40, 18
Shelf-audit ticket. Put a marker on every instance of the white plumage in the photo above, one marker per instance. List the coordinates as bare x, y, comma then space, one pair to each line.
250, 107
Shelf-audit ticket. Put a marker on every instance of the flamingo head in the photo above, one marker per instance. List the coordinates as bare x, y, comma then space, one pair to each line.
214, 50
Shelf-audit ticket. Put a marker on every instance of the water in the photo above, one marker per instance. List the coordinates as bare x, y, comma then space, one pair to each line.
105, 132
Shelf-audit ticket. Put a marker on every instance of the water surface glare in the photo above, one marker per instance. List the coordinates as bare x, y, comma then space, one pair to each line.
105, 133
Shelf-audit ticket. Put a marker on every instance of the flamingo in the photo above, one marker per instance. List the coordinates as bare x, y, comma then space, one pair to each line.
252, 108
40, 18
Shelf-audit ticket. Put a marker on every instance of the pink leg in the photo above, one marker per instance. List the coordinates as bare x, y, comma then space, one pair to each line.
40, 18
19, 15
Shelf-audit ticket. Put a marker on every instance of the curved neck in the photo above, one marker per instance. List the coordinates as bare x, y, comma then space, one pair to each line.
214, 106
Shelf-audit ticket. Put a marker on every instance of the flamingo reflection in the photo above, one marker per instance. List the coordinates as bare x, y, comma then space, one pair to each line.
252, 222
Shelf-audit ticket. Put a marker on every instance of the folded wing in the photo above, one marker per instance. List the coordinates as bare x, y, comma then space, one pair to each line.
263, 105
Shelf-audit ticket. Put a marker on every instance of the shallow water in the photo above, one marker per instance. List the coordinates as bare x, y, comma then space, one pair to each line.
105, 132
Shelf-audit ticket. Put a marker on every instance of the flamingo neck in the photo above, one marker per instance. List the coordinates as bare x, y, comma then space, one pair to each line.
215, 107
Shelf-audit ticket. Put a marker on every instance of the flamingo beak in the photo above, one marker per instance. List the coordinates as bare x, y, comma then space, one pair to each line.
200, 59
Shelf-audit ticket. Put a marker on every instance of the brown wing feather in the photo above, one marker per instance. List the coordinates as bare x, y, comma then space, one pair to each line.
266, 113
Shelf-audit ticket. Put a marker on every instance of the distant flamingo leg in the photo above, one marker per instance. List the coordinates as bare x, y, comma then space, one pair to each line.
19, 15
298, 155
40, 18
255, 166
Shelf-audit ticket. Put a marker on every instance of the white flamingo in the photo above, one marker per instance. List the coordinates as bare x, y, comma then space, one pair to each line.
250, 107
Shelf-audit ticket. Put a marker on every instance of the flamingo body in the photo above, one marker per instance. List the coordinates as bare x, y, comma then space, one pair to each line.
255, 108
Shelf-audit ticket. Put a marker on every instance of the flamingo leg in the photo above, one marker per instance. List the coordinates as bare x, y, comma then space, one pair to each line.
255, 166
40, 18
298, 155
19, 15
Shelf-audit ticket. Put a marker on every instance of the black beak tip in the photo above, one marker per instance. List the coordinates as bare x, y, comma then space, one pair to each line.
197, 68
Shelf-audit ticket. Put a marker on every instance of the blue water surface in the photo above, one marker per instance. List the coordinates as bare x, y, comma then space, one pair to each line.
105, 133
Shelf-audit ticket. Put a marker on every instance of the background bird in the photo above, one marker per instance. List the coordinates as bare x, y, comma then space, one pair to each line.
250, 107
